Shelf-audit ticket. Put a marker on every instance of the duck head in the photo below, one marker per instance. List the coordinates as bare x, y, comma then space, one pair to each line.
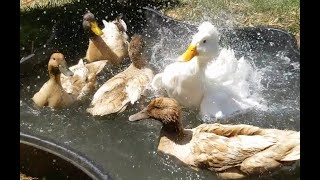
57, 64
135, 51
166, 110
204, 45
90, 24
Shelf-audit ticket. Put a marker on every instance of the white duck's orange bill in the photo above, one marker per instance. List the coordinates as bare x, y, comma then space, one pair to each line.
189, 53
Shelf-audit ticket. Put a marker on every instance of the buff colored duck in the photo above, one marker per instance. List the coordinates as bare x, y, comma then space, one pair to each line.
231, 151
51, 93
127, 86
84, 79
110, 43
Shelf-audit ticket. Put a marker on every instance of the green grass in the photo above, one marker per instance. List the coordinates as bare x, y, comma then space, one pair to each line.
36, 15
27, 5
275, 13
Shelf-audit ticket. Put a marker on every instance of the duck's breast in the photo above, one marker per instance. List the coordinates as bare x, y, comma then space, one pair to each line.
116, 40
183, 84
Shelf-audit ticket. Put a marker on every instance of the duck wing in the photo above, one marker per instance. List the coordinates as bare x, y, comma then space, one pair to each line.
41, 97
110, 97
229, 130
96, 67
285, 152
218, 152
83, 82
137, 84
220, 147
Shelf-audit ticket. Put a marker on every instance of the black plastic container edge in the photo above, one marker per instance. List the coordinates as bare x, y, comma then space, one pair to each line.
77, 159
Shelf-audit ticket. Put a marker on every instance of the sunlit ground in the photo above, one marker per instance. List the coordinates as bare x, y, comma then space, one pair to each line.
277, 13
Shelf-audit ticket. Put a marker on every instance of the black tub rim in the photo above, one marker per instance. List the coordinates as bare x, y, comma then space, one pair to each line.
66, 153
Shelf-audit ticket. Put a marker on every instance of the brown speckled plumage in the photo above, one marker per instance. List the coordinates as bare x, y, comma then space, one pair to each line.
232, 151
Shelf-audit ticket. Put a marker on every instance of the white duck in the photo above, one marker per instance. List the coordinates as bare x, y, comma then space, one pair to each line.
184, 80
125, 87
208, 79
232, 151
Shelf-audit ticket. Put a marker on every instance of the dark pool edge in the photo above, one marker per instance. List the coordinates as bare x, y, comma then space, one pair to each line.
77, 159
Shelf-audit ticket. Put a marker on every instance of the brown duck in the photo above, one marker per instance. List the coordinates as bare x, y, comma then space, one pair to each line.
232, 151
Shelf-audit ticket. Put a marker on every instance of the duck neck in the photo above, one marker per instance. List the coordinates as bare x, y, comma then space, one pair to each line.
96, 39
202, 62
139, 61
54, 74
99, 46
92, 35
173, 130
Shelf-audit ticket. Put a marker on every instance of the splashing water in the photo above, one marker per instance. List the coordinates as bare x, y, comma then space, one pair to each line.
235, 80
233, 85
265, 85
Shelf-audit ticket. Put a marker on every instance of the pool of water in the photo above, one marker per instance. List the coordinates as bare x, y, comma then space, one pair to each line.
128, 150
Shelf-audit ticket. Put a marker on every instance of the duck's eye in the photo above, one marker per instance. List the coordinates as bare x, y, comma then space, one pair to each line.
204, 41
54, 58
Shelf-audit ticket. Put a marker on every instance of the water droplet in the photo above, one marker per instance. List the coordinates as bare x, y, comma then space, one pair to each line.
38, 77
44, 12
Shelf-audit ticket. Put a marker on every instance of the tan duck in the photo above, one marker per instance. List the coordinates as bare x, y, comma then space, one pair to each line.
84, 79
125, 87
51, 93
232, 151
110, 43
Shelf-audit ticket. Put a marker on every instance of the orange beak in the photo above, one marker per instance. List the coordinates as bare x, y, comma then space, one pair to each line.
189, 53
95, 28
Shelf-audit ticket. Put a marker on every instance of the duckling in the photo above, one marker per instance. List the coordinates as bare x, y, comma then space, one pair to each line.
84, 80
51, 93
184, 80
231, 151
127, 86
110, 43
